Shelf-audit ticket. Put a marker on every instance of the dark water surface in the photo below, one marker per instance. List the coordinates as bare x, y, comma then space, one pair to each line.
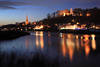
49, 49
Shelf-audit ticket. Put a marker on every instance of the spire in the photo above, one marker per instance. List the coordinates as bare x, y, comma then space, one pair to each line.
26, 20
71, 11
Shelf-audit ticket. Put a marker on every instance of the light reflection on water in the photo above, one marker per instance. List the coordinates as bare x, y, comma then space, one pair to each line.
51, 45
72, 43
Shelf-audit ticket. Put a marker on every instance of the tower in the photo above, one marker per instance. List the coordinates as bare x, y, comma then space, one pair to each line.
71, 11
26, 20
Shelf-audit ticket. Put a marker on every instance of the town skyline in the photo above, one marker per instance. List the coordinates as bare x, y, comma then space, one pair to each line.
16, 11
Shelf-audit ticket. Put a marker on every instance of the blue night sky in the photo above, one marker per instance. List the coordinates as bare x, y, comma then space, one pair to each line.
12, 11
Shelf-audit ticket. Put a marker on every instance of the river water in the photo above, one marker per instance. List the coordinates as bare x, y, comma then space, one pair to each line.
52, 49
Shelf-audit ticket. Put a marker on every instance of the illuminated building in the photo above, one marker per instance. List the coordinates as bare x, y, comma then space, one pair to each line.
26, 20
88, 14
39, 27
71, 11
68, 26
81, 14
63, 12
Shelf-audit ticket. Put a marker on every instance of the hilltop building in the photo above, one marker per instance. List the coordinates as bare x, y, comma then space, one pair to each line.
64, 12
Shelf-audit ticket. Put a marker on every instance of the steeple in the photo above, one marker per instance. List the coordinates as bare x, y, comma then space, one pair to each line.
26, 20
71, 11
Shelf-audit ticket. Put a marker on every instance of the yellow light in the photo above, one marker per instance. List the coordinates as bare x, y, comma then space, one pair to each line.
64, 14
39, 27
78, 23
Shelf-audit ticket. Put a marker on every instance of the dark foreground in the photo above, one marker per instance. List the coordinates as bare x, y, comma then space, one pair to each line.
7, 35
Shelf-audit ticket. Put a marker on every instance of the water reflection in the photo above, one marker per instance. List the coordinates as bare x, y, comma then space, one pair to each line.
72, 43
39, 39
68, 47
86, 44
93, 42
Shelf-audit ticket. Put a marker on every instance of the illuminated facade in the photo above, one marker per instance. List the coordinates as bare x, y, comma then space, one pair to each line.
68, 26
65, 12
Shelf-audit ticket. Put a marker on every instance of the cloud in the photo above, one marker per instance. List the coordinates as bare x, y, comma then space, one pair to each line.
11, 5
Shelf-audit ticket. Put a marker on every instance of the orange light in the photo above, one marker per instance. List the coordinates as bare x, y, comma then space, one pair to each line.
87, 50
88, 14
37, 40
81, 14
71, 52
86, 37
93, 42
41, 40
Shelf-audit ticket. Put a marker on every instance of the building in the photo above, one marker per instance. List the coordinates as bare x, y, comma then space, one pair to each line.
65, 12
26, 20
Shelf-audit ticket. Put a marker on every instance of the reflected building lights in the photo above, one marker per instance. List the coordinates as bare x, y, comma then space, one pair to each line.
71, 45
26, 43
87, 49
86, 44
63, 47
93, 42
39, 40
68, 45
69, 41
81, 41
77, 42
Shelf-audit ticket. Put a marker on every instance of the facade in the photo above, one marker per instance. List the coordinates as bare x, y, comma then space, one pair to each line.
65, 12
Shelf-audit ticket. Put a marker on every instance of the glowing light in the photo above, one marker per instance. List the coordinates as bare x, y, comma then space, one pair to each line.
71, 52
86, 37
71, 45
26, 20
63, 42
41, 40
93, 42
77, 42
76, 36
87, 49
69, 27
77, 23
64, 14
63, 47
37, 40
81, 14
39, 27
88, 14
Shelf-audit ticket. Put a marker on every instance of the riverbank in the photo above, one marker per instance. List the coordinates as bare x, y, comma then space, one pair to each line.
7, 35
88, 31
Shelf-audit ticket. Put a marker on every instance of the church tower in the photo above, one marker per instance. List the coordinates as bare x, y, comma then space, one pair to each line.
71, 11
26, 20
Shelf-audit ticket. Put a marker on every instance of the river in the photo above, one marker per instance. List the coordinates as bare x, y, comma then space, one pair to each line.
51, 49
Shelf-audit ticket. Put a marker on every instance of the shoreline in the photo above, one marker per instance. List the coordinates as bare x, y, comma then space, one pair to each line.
8, 35
88, 31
